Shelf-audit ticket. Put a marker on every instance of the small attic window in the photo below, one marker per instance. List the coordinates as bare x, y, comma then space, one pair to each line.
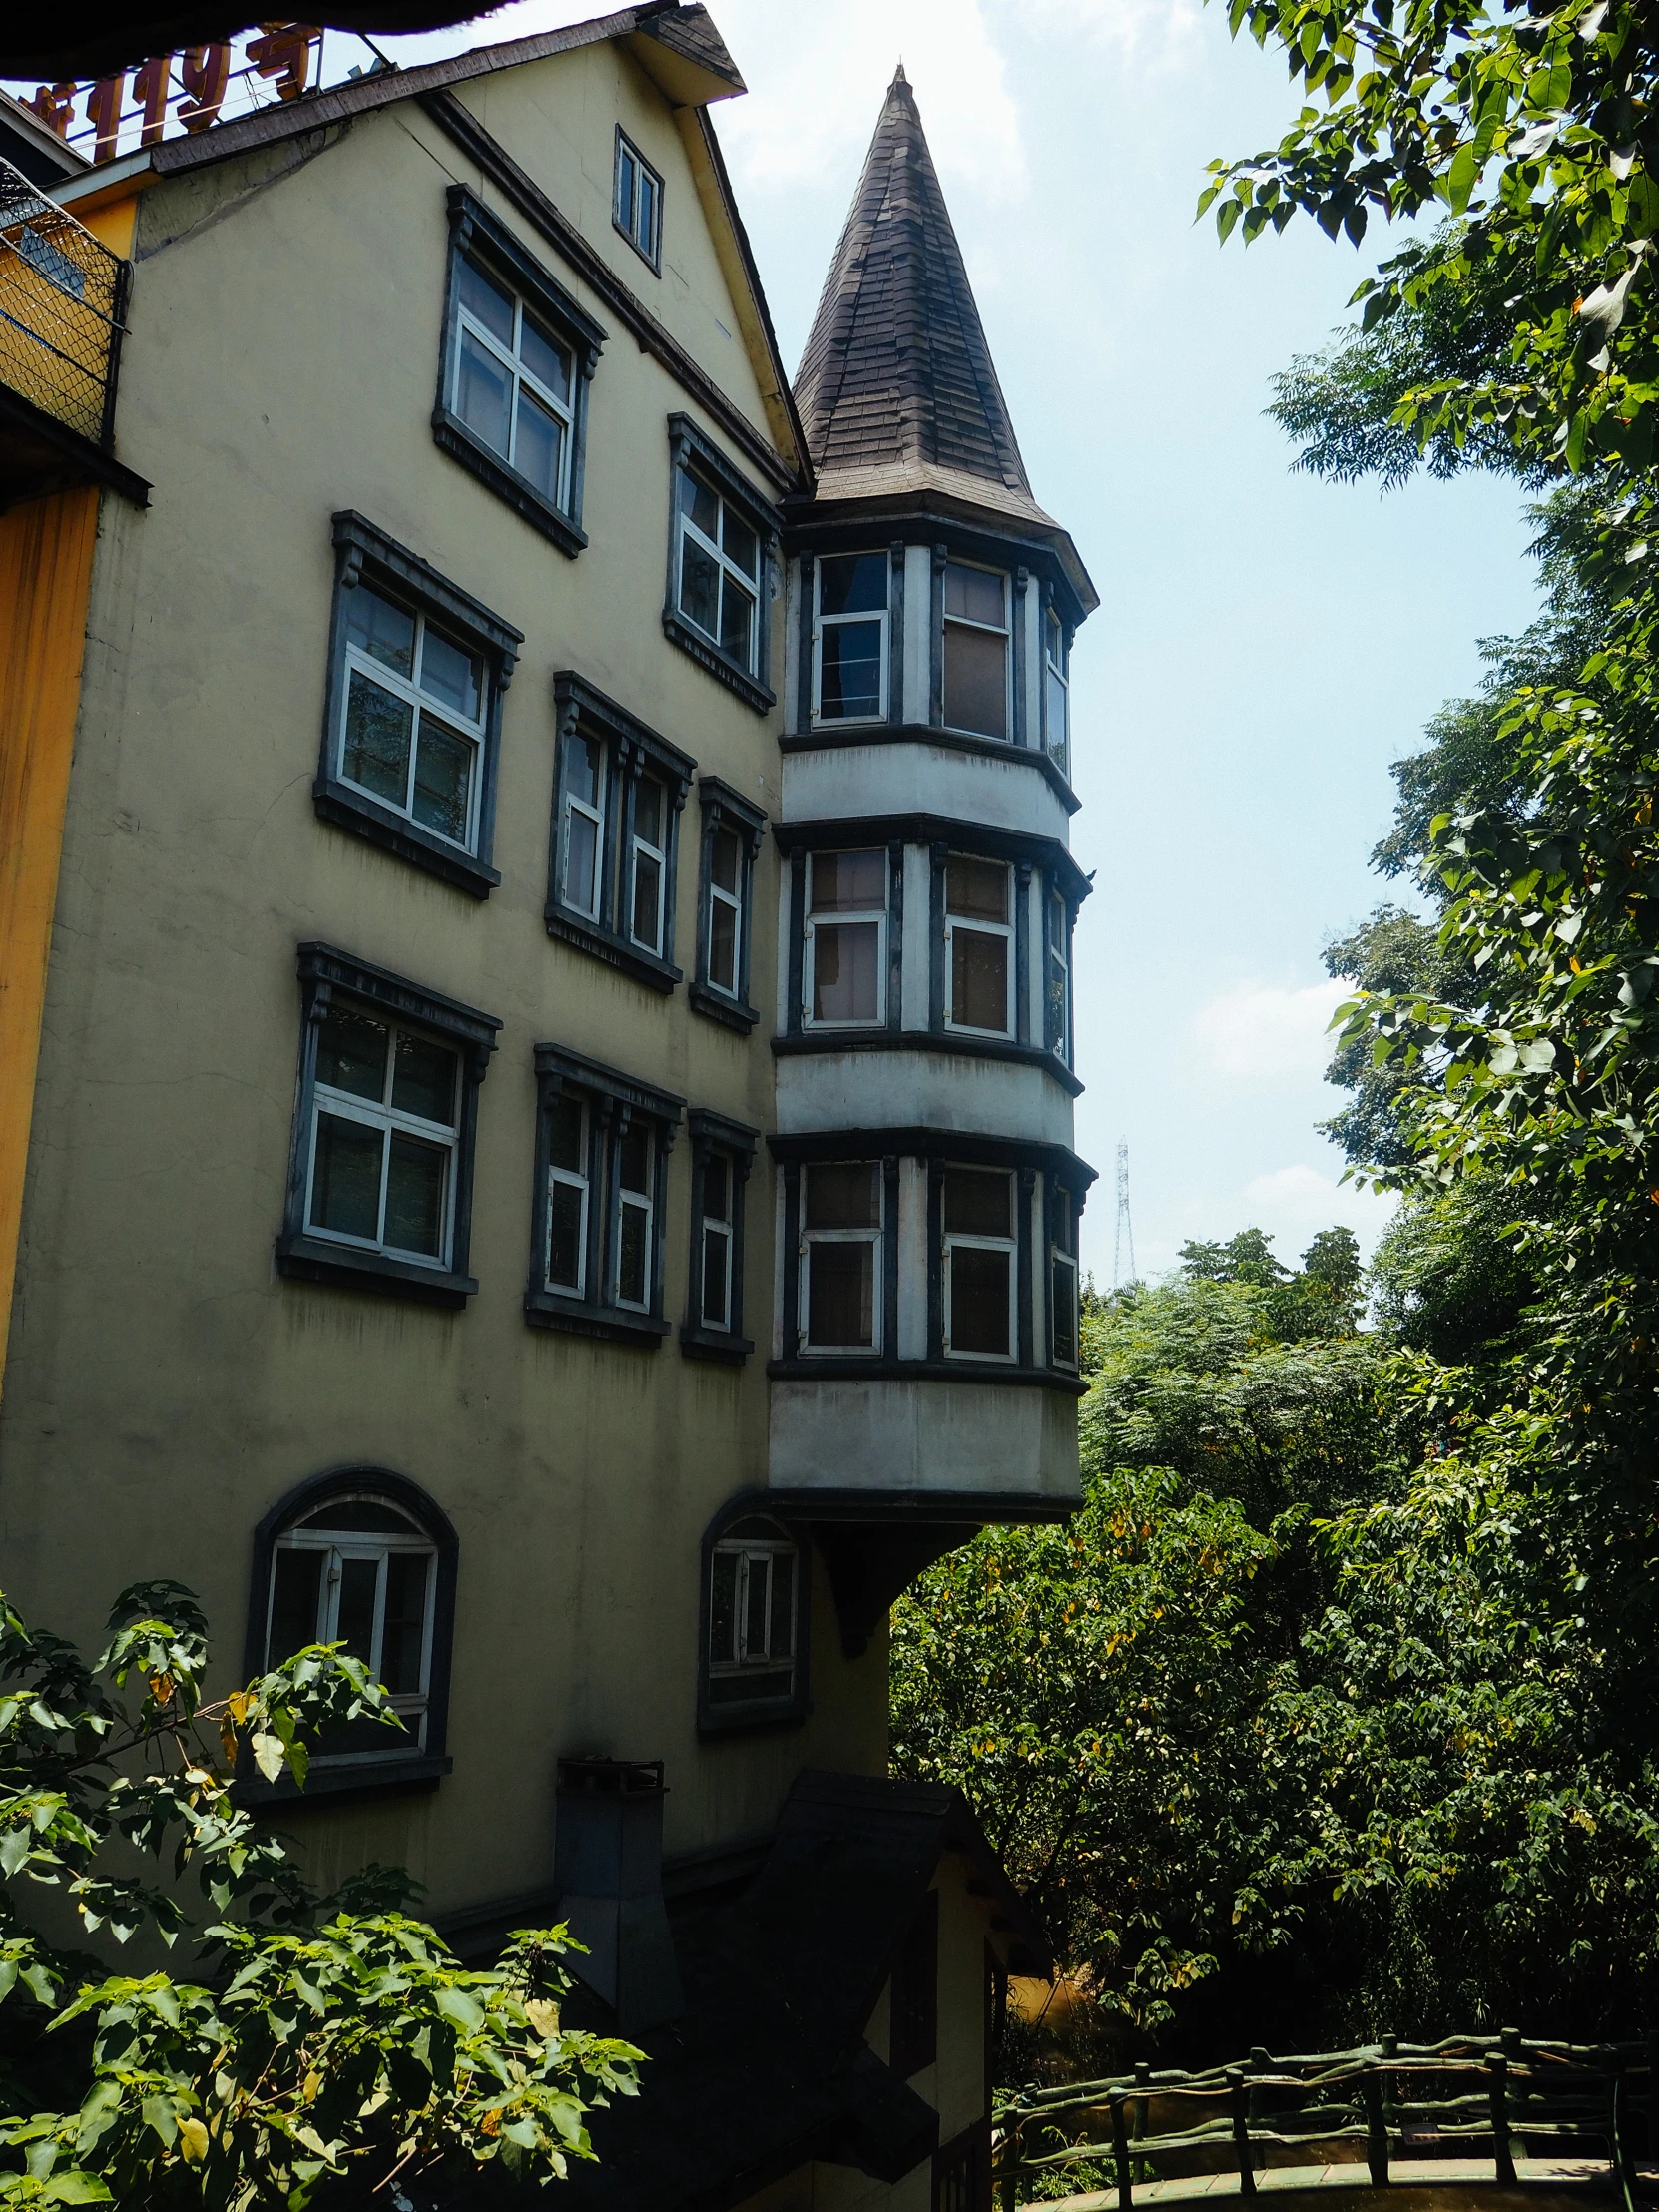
637, 205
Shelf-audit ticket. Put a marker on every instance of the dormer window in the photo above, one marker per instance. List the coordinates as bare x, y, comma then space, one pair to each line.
1056, 691
850, 639
977, 649
638, 206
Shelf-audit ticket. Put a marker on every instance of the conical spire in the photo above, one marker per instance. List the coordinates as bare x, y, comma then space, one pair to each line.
896, 374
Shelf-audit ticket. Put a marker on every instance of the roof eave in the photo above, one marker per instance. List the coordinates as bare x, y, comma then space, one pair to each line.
986, 515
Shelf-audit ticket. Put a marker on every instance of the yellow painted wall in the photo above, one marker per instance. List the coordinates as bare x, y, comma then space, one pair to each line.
45, 571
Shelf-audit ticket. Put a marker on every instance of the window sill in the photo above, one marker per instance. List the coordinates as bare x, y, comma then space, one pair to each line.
719, 1008
957, 1042
303, 1259
659, 975
747, 1719
548, 1310
365, 1778
936, 733
353, 812
520, 494
719, 664
860, 1367
715, 1344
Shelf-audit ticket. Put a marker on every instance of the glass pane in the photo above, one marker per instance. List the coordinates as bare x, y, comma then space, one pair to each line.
698, 501
844, 1197
566, 1207
975, 594
483, 393
540, 446
564, 1136
646, 229
853, 584
450, 673
722, 946
295, 1602
841, 1293
414, 1197
360, 1514
346, 1180
716, 1248
484, 297
583, 767
722, 1607
1065, 1311
352, 1053
737, 622
978, 888
581, 862
403, 1635
758, 1611
634, 1160
1057, 925
739, 543
423, 1079
699, 586
1056, 640
848, 882
1056, 1007
647, 883
979, 1286
1057, 705
976, 680
846, 983
443, 780
546, 360
376, 749
849, 677
632, 1255
649, 811
359, 1584
717, 1186
977, 1201
725, 860
380, 628
978, 980
780, 1643
625, 174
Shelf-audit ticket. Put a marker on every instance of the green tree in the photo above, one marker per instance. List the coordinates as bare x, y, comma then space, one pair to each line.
329, 2048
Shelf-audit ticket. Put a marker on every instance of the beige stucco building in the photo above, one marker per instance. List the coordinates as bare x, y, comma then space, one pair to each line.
537, 1035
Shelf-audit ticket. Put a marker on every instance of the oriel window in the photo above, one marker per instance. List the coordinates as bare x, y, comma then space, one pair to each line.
638, 208
718, 564
753, 1617
385, 1118
976, 650
1056, 690
512, 381
850, 682
978, 934
412, 717
1062, 1262
841, 1256
980, 1263
1057, 983
847, 934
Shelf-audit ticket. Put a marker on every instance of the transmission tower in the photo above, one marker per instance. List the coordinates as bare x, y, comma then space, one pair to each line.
1124, 1233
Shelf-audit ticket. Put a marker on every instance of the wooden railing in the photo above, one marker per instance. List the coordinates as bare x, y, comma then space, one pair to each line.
1398, 2100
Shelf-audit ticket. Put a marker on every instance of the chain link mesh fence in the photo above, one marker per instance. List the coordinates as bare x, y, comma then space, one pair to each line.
62, 301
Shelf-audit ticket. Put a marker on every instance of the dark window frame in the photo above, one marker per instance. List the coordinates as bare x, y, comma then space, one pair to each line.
1059, 1040
814, 719
401, 1767
1062, 1209
629, 749
652, 257
476, 232
725, 809
709, 1132
363, 553
324, 972
729, 1720
689, 448
614, 1100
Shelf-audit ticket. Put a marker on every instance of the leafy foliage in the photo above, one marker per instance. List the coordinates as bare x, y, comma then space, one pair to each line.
335, 2047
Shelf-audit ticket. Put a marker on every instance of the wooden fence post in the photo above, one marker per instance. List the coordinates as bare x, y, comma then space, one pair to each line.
1120, 2151
1239, 2097
1376, 2130
1500, 2118
1009, 2189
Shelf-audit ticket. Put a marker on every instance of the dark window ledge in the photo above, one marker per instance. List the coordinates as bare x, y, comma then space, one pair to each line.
303, 1259
356, 1778
644, 967
748, 1718
955, 1042
715, 1344
520, 494
704, 651
356, 812
548, 1310
722, 1010
927, 732
864, 1370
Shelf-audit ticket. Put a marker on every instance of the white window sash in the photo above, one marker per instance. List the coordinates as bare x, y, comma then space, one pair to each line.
746, 1662
878, 914
821, 623
640, 1203
659, 856
422, 701
595, 815
749, 585
733, 899
811, 1236
713, 1225
339, 1545
561, 411
960, 1240
578, 1183
1002, 929
349, 1106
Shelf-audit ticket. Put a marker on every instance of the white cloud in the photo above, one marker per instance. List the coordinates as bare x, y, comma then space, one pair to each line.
1262, 1033
1294, 1203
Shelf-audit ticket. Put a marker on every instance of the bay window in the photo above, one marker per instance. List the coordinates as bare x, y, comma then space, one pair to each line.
840, 1257
847, 934
977, 658
1062, 1266
1057, 975
1056, 691
979, 945
979, 1255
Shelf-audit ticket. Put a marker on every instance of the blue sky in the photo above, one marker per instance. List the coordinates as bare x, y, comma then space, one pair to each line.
1266, 645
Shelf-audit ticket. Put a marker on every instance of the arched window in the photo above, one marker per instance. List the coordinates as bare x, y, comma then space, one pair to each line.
362, 1558
754, 1623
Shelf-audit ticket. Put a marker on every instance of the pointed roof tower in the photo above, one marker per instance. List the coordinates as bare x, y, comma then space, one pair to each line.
896, 390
